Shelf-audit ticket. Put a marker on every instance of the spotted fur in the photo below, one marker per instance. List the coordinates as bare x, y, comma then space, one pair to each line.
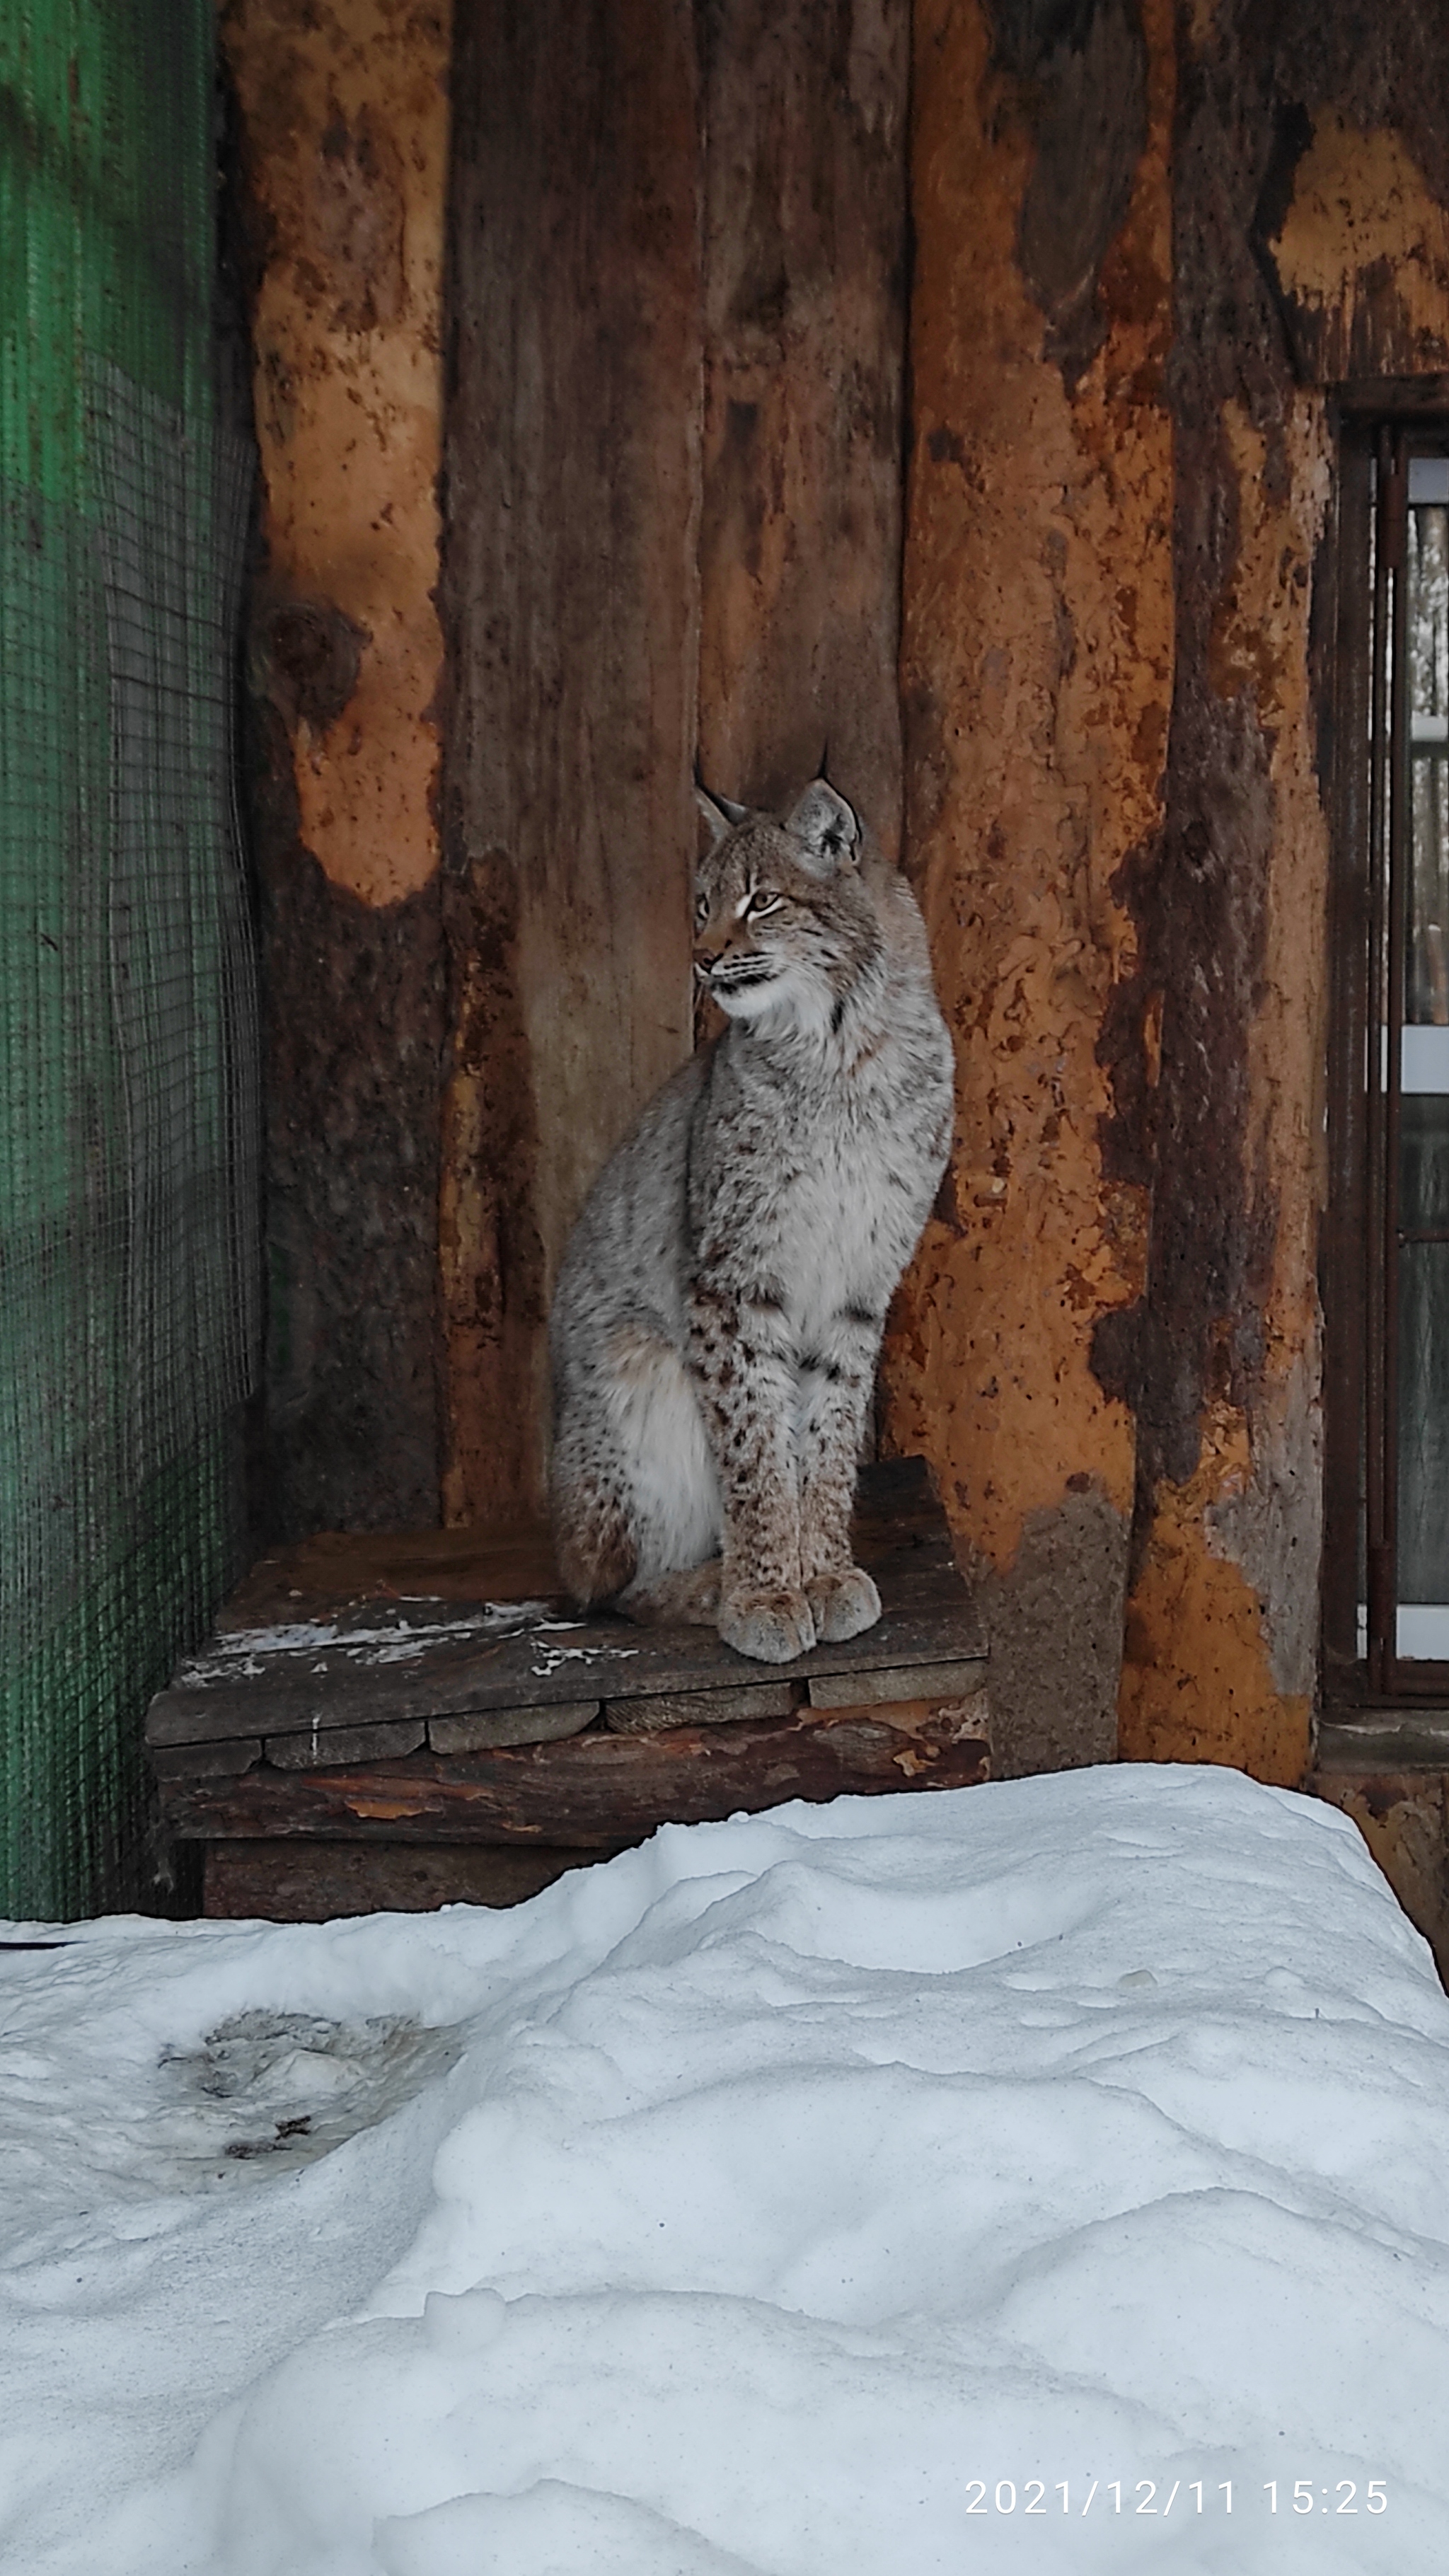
720, 1306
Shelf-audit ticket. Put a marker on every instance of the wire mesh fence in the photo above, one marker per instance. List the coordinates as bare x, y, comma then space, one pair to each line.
128, 1081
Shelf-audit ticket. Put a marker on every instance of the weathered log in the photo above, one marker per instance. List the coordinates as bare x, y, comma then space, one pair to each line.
599, 1788
314, 1882
805, 266
570, 602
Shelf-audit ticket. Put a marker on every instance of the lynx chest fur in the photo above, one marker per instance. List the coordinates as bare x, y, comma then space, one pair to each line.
720, 1306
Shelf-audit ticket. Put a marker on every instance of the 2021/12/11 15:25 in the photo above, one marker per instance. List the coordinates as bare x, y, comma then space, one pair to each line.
1034, 2492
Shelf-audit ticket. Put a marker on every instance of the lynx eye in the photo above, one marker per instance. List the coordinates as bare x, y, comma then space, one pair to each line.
701, 910
763, 903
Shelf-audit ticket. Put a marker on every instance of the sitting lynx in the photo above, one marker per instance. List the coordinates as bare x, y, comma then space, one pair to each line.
721, 1301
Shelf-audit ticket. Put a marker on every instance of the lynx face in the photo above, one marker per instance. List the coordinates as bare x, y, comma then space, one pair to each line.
782, 925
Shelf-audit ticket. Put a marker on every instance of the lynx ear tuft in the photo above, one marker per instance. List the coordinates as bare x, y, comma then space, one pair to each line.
719, 813
828, 826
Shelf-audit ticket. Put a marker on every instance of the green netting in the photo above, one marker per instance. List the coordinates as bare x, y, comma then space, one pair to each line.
127, 1071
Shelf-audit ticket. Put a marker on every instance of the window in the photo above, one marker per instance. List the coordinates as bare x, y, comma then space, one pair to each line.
1386, 1608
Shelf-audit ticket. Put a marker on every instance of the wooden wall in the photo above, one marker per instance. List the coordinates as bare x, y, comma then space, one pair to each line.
675, 361
697, 494
1037, 678
334, 230
1149, 243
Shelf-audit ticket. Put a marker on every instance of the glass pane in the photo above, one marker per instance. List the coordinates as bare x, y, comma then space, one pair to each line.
1423, 1176
1424, 1424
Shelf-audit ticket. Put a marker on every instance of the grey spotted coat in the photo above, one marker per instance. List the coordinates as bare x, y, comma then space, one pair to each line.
720, 1305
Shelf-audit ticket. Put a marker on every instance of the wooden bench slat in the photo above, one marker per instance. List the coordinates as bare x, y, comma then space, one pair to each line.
946, 1680
657, 1711
486, 1728
310, 1752
611, 1659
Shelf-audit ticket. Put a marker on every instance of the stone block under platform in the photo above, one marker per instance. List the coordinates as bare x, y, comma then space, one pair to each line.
415, 1719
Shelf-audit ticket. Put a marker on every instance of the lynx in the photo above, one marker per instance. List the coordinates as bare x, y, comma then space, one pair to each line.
722, 1297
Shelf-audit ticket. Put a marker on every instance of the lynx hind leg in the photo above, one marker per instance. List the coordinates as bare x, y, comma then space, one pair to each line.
687, 1598
668, 1475
593, 1543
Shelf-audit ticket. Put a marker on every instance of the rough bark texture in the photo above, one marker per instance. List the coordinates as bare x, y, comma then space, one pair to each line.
571, 605
1080, 74
599, 1788
343, 138
1231, 931
314, 1882
1309, 245
341, 130
1404, 1819
1037, 674
804, 339
1119, 1296
353, 1037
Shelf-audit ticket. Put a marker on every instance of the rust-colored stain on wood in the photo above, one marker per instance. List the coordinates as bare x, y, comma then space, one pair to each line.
1198, 1683
343, 116
1241, 1624
1362, 257
599, 1789
1403, 1817
1037, 677
1221, 1359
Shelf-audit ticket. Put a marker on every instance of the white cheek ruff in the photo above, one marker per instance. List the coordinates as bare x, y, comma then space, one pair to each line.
747, 1001
731, 980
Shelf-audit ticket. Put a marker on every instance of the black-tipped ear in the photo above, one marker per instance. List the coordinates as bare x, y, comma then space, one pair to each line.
827, 825
718, 812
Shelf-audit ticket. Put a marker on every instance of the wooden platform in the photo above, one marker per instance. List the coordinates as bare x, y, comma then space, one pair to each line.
407, 1720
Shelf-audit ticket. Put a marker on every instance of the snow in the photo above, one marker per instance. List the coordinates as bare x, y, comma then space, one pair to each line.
237, 1652
992, 2180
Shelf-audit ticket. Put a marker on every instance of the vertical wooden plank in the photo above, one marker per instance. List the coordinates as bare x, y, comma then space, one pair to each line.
570, 601
805, 276
333, 236
1038, 680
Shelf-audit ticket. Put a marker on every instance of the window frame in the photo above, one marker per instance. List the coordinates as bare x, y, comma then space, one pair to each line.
1370, 806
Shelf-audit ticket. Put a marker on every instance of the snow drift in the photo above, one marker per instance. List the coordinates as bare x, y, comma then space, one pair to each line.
1049, 2176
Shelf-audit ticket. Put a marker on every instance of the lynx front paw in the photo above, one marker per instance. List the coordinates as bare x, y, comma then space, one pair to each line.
842, 1605
775, 1627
